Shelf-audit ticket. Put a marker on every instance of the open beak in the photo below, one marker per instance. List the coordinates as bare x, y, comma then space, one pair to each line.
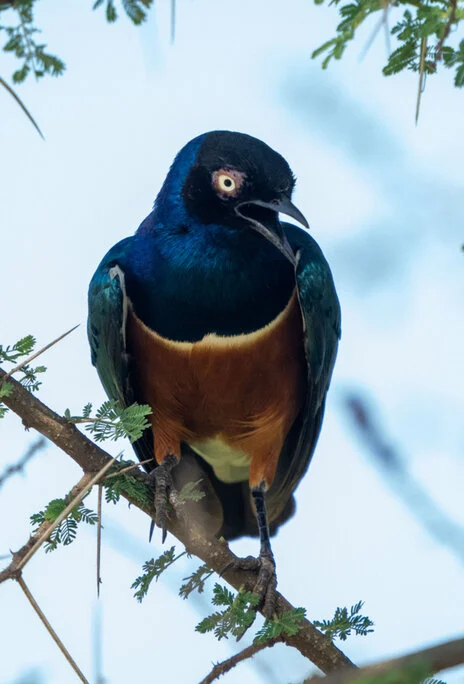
283, 206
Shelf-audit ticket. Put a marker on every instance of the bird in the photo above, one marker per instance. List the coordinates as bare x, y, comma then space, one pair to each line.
225, 320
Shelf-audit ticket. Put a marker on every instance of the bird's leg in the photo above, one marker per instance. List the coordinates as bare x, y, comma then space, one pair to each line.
267, 580
264, 565
162, 477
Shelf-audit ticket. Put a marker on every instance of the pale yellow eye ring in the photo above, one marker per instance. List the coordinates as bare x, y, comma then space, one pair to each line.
225, 183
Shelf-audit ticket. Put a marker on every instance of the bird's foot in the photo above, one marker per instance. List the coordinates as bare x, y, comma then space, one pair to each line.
163, 483
266, 583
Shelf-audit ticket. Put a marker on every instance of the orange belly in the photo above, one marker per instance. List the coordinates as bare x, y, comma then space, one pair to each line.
241, 392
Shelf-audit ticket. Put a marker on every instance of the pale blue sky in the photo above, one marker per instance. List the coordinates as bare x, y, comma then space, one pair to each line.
384, 200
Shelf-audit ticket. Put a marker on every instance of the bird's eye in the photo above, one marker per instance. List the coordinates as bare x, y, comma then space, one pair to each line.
227, 182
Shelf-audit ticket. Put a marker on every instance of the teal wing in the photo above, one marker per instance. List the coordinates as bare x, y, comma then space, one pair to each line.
322, 327
106, 330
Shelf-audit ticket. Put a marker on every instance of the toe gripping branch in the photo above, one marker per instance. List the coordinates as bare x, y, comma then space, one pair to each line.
264, 565
162, 477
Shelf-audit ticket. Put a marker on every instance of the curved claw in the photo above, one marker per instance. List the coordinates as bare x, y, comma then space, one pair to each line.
266, 583
163, 483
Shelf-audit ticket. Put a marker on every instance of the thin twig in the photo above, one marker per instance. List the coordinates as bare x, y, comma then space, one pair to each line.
87, 481
452, 16
248, 652
99, 528
50, 630
435, 659
12, 571
131, 467
16, 97
422, 75
18, 467
383, 21
38, 353
173, 21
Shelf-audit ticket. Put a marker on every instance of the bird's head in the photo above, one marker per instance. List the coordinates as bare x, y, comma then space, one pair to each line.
234, 180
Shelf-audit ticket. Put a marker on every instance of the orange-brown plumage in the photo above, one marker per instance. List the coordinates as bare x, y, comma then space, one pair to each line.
246, 390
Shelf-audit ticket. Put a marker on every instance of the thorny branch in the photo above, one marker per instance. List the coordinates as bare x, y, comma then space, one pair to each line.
216, 554
432, 660
248, 652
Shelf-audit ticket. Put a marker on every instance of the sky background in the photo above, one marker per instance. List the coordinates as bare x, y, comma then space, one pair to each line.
384, 200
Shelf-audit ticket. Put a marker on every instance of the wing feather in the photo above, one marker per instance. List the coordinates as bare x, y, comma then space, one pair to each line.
320, 309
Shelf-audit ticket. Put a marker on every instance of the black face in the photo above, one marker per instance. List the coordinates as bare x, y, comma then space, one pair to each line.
232, 170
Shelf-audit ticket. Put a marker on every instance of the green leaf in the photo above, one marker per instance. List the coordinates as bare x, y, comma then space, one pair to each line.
127, 484
6, 389
196, 581
344, 622
190, 492
459, 77
152, 570
288, 623
113, 422
238, 615
65, 533
111, 14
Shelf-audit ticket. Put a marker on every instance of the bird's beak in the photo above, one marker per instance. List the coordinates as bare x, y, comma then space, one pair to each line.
282, 206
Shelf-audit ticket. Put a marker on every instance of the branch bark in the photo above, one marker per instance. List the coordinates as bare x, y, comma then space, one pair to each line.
434, 659
216, 554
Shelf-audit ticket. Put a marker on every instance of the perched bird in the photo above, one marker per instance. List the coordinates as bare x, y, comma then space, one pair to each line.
226, 322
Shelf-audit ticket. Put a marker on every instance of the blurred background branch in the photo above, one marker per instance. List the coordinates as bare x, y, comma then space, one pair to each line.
389, 459
15, 468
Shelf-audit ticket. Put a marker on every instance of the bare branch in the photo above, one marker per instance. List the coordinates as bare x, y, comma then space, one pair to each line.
38, 353
215, 553
50, 630
434, 659
16, 97
451, 19
248, 652
18, 467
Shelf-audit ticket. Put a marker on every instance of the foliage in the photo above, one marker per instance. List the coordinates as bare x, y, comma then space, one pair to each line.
28, 374
135, 9
152, 570
238, 614
65, 533
115, 484
288, 623
196, 581
112, 421
422, 31
22, 35
190, 492
343, 623
21, 41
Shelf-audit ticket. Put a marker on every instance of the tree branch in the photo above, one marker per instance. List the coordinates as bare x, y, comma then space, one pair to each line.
434, 659
51, 631
435, 521
248, 652
216, 554
18, 467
